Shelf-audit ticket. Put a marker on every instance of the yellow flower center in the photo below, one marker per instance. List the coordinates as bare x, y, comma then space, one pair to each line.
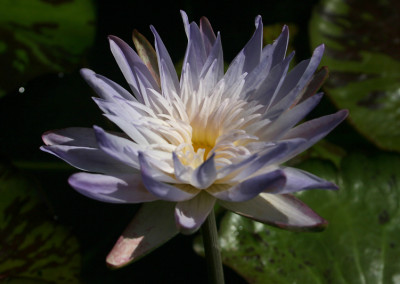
207, 148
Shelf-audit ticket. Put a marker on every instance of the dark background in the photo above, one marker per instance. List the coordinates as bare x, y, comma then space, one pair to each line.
58, 100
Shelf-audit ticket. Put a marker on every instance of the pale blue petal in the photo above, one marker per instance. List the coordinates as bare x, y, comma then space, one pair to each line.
204, 175
167, 73
191, 214
252, 187
128, 61
288, 119
301, 180
126, 188
163, 190
314, 130
118, 147
280, 210
78, 147
104, 87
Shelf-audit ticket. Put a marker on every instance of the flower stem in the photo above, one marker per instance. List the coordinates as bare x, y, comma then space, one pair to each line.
212, 250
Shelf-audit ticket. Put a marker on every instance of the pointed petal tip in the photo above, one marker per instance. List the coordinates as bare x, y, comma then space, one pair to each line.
319, 50
320, 225
333, 186
85, 72
342, 114
45, 138
113, 38
258, 21
183, 14
345, 112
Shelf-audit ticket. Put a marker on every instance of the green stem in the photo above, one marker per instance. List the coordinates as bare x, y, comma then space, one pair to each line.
212, 250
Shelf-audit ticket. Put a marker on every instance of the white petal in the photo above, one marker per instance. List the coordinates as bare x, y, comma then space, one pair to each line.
163, 190
205, 174
152, 226
191, 214
280, 210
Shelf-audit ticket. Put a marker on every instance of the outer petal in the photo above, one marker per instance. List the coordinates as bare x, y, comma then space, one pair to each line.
163, 190
280, 46
297, 78
301, 180
78, 147
168, 76
104, 87
275, 155
289, 119
126, 188
147, 53
130, 64
87, 159
281, 210
152, 226
72, 136
314, 130
190, 214
119, 148
207, 33
251, 187
249, 57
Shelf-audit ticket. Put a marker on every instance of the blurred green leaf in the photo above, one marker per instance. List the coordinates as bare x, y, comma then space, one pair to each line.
40, 36
362, 52
360, 245
33, 247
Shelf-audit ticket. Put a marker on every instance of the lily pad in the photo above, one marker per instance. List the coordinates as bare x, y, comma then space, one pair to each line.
360, 245
33, 247
362, 52
40, 36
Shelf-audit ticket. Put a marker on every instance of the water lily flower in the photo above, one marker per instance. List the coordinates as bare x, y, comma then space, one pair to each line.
209, 137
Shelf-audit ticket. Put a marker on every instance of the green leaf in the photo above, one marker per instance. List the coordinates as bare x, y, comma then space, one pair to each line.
40, 36
360, 245
362, 53
33, 247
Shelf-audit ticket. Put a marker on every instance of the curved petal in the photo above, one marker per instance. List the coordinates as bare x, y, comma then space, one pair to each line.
301, 180
249, 57
167, 70
130, 63
87, 159
250, 188
279, 46
126, 188
289, 119
163, 190
281, 210
253, 48
182, 173
314, 130
147, 53
204, 175
298, 77
152, 226
190, 214
72, 136
207, 33
274, 155
119, 148
104, 87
